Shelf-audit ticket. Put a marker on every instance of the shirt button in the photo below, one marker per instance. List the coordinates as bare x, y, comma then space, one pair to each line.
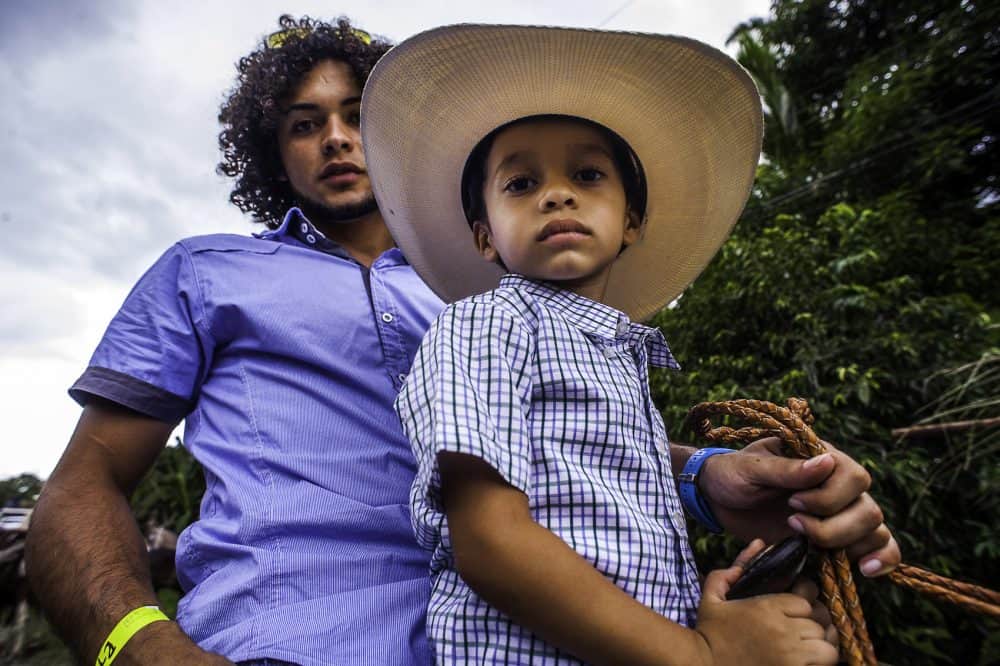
401, 377
622, 327
386, 317
609, 352
661, 444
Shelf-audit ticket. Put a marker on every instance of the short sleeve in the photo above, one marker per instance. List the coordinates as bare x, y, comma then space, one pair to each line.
154, 352
469, 392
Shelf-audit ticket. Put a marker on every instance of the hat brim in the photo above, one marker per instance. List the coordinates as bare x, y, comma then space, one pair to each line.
690, 112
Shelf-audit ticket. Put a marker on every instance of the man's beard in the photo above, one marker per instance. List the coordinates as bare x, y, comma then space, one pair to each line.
318, 212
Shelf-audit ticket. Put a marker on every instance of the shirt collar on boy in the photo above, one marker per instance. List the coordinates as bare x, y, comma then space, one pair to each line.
596, 319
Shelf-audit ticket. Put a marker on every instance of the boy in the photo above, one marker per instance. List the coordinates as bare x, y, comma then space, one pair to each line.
544, 486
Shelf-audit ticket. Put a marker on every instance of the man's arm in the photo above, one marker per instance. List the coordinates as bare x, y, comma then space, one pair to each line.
86, 559
758, 492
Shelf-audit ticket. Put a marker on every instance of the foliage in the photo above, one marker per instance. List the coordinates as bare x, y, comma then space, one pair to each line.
21, 490
863, 277
170, 493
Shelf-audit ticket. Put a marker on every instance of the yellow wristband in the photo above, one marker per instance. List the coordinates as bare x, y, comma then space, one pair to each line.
126, 628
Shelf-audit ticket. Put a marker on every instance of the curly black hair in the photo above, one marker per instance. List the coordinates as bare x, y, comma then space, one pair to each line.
250, 114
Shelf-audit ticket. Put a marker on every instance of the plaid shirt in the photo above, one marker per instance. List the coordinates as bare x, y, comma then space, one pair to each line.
551, 389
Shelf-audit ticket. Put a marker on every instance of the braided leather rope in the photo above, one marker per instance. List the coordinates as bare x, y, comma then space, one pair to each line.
792, 424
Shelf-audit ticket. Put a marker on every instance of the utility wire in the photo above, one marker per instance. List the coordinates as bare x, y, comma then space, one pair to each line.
623, 7
869, 157
890, 145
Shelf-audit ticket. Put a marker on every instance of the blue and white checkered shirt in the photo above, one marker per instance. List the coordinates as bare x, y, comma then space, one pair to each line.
551, 389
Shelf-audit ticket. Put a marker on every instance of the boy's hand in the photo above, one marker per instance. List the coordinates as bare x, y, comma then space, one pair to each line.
757, 492
774, 629
809, 591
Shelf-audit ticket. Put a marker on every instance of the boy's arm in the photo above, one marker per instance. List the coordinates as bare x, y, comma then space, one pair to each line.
757, 492
86, 561
529, 573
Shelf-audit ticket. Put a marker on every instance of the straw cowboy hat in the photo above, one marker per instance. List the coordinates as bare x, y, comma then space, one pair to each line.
690, 112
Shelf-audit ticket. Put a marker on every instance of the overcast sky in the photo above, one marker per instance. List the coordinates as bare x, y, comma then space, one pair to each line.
108, 144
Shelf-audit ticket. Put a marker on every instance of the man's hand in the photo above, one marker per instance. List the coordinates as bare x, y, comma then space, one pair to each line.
165, 643
757, 492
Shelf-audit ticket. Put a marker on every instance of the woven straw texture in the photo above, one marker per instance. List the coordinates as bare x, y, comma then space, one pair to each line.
691, 113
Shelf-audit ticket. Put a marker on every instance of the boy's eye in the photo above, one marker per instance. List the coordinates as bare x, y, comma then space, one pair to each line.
354, 118
300, 126
590, 175
518, 184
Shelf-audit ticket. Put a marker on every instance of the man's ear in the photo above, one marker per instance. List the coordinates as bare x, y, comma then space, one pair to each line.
633, 225
484, 241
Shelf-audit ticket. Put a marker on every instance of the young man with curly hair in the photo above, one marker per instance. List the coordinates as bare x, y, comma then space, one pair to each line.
283, 351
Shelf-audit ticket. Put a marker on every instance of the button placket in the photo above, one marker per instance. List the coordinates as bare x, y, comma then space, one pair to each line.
389, 329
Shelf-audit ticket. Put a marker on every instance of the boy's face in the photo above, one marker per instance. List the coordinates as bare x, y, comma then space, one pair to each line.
555, 205
319, 137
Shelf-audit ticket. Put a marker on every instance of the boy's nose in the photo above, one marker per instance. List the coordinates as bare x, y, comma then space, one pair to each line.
557, 197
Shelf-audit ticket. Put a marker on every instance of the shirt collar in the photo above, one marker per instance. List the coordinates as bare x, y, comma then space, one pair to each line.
296, 225
595, 319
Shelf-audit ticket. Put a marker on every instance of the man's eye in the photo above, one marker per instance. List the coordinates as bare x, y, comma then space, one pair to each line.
354, 118
300, 126
518, 184
590, 175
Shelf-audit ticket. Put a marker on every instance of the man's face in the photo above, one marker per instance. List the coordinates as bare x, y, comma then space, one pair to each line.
319, 137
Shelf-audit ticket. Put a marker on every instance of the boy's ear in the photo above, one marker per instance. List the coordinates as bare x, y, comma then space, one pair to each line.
484, 241
633, 225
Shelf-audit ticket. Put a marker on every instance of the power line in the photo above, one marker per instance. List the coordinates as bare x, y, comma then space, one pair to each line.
623, 7
868, 159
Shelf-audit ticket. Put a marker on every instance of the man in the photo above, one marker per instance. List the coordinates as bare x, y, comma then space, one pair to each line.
283, 352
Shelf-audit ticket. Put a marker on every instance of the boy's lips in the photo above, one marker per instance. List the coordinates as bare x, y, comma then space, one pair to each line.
564, 226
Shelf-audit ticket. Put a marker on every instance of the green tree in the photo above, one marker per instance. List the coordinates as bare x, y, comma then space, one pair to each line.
21, 490
170, 493
865, 266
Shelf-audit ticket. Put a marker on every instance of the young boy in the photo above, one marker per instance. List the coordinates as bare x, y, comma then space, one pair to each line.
603, 172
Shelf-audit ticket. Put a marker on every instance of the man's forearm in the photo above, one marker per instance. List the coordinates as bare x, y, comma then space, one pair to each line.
87, 565
87, 562
679, 454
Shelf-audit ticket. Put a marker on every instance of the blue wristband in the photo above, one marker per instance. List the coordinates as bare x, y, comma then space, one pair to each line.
692, 500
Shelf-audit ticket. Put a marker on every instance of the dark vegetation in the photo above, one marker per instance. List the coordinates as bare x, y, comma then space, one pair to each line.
863, 276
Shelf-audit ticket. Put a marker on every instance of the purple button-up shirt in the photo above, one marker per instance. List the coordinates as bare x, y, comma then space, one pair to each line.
284, 355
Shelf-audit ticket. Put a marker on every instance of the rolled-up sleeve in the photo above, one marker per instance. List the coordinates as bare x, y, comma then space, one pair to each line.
155, 351
469, 392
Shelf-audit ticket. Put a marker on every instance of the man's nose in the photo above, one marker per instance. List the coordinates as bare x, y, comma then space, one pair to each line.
339, 137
